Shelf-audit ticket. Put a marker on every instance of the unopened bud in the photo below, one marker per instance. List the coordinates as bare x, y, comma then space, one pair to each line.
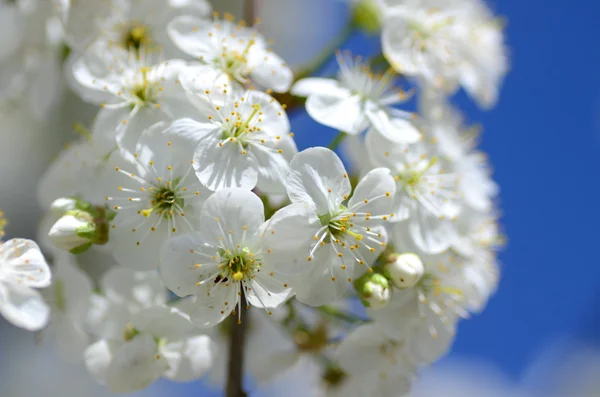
374, 290
368, 15
405, 270
74, 232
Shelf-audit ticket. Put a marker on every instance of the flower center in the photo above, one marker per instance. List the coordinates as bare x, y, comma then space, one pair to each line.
311, 341
238, 265
237, 129
164, 200
235, 63
411, 177
340, 224
135, 37
145, 91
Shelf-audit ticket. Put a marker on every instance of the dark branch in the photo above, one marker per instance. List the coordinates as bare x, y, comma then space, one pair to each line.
235, 369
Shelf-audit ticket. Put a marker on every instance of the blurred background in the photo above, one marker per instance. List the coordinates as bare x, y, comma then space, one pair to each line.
540, 334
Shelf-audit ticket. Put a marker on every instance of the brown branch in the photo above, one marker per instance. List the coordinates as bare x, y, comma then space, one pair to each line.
235, 368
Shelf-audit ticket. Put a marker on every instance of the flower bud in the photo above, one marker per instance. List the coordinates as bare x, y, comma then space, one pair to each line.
405, 270
368, 16
75, 232
374, 290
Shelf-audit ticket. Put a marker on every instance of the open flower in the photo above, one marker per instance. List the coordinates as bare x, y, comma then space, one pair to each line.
222, 264
246, 142
237, 53
23, 268
426, 194
357, 100
154, 193
324, 234
133, 90
157, 342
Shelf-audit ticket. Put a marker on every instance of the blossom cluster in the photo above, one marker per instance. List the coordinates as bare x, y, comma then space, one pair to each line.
187, 202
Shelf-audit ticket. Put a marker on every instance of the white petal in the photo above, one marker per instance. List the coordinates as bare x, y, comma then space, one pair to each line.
270, 71
378, 188
233, 213
214, 303
163, 322
267, 291
135, 365
219, 167
120, 284
429, 233
98, 357
190, 35
22, 262
273, 167
395, 129
358, 353
76, 286
23, 306
318, 177
71, 337
189, 358
185, 261
290, 230
338, 109
314, 85
325, 282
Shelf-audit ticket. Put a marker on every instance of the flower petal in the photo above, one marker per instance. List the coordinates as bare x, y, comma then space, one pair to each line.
374, 193
23, 306
338, 109
22, 262
314, 85
189, 358
318, 177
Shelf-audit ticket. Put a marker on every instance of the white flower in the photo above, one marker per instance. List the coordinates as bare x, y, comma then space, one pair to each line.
357, 100
157, 342
246, 142
383, 365
325, 233
447, 43
155, 195
222, 264
122, 294
425, 316
237, 53
23, 268
425, 196
69, 296
134, 92
126, 25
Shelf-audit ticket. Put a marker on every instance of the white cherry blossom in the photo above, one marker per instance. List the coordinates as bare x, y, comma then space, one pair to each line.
243, 140
447, 43
426, 194
157, 342
126, 25
134, 92
23, 268
381, 365
222, 263
155, 194
238, 54
425, 316
359, 99
325, 237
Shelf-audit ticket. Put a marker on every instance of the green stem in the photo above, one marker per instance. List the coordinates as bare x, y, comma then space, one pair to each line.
337, 140
341, 315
